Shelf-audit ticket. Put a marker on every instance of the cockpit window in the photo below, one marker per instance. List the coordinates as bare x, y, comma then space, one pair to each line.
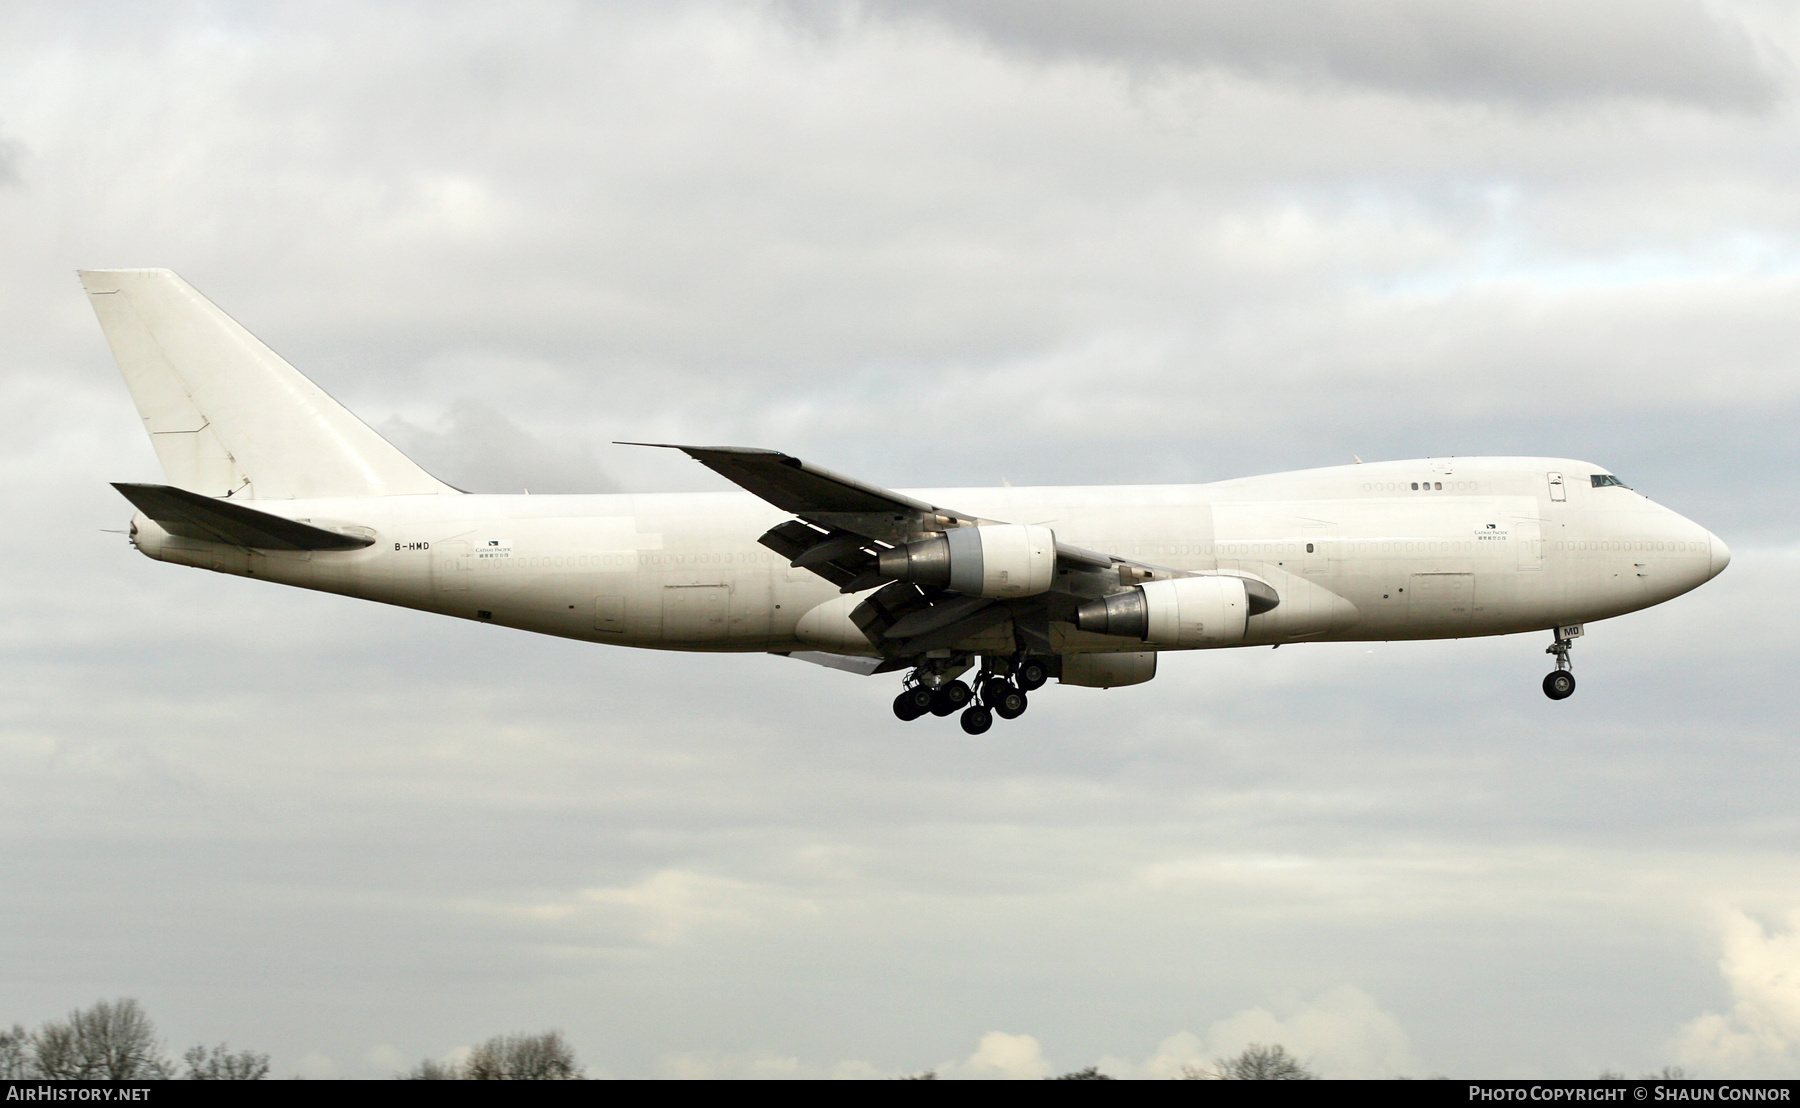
1601, 480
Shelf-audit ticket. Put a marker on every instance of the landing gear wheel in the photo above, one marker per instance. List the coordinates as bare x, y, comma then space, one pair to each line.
907, 705
948, 698
1032, 674
1559, 685
976, 719
993, 689
918, 699
1010, 704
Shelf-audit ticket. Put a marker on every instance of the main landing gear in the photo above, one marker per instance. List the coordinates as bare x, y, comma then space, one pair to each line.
1559, 684
999, 691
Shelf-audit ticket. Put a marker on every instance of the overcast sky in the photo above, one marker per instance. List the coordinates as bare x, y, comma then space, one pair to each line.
929, 244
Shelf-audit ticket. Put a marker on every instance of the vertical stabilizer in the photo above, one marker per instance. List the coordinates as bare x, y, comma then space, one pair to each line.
227, 415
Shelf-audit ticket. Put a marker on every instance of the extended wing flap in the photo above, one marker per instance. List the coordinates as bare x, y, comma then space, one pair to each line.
193, 516
841, 557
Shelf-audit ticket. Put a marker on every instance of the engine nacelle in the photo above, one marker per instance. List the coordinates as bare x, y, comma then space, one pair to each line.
1108, 671
1183, 612
998, 560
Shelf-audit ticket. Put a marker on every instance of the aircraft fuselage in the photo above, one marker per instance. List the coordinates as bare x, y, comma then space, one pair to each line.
1435, 548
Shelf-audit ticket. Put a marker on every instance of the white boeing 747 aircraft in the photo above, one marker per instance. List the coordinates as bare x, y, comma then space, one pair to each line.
269, 477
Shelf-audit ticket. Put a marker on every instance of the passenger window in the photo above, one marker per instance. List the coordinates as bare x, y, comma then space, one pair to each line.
1309, 548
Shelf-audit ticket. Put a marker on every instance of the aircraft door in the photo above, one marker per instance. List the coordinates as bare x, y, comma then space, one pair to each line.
1317, 549
1442, 602
452, 566
1558, 492
1528, 536
751, 607
696, 613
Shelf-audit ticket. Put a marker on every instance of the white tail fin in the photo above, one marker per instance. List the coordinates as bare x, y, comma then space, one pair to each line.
227, 415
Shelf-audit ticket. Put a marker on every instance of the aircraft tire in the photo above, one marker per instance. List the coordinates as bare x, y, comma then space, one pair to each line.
1032, 674
921, 699
976, 719
1009, 705
1559, 685
907, 707
949, 697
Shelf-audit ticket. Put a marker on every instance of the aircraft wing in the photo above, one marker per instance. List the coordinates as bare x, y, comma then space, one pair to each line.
843, 525
816, 493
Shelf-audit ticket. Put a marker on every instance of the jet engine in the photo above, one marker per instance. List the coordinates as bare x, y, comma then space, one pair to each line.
996, 560
1183, 612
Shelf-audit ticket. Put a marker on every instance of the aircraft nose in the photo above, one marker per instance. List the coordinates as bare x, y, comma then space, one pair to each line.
1721, 554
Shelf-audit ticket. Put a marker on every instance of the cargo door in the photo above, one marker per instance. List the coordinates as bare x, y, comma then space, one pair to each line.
1443, 602
1528, 538
696, 613
752, 606
452, 567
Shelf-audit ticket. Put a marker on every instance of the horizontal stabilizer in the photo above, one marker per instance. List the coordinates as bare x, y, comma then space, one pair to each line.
192, 516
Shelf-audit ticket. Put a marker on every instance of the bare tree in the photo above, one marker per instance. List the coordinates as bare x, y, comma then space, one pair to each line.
52, 1053
112, 1041
15, 1053
221, 1064
545, 1057
429, 1070
1092, 1073
1255, 1062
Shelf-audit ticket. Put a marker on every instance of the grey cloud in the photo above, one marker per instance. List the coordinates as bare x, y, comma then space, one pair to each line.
310, 825
477, 449
480, 809
1523, 51
12, 153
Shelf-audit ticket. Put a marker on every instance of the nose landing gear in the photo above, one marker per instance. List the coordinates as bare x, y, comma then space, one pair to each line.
1559, 684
